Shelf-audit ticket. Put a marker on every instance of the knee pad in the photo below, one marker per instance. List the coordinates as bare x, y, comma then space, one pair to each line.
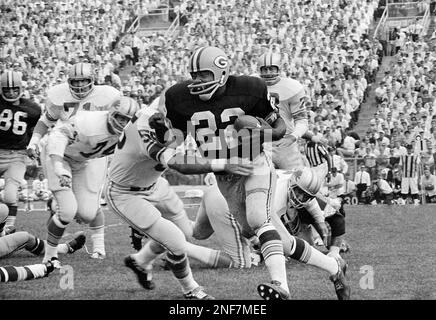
66, 208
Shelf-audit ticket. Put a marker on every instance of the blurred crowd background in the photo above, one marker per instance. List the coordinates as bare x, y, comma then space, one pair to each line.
335, 48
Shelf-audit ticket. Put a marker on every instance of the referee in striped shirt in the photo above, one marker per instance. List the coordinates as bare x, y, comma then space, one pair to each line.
409, 164
319, 159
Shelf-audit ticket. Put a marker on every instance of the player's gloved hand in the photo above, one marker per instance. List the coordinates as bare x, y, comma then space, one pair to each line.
321, 228
32, 151
161, 126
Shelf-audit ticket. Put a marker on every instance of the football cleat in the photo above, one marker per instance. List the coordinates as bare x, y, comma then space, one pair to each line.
52, 263
97, 254
345, 247
272, 291
77, 243
144, 276
49, 268
343, 290
198, 294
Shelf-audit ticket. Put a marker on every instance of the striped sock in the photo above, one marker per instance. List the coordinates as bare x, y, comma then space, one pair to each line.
56, 229
12, 216
38, 247
13, 274
212, 258
179, 265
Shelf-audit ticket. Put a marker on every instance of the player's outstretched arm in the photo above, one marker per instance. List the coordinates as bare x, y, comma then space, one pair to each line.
189, 164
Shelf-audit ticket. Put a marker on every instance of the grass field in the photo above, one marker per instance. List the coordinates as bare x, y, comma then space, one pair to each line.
392, 257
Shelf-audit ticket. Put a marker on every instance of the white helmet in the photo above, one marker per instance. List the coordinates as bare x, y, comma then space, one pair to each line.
210, 59
11, 86
304, 184
120, 113
81, 80
266, 60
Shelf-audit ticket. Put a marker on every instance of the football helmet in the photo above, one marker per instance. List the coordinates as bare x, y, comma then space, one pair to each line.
304, 184
210, 59
120, 113
11, 86
267, 60
81, 80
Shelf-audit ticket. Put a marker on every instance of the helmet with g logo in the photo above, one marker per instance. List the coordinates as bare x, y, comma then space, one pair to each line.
210, 59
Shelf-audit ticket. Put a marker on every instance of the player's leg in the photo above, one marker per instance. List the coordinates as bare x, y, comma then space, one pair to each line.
405, 183
66, 208
228, 232
87, 185
144, 217
337, 227
414, 190
171, 206
300, 250
4, 211
14, 175
29, 272
259, 195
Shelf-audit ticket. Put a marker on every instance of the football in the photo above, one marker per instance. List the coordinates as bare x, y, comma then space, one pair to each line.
246, 122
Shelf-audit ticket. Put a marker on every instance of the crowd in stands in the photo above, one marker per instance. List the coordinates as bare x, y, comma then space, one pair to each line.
324, 45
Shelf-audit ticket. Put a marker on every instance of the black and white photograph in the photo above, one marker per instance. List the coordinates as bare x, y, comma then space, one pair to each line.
240, 151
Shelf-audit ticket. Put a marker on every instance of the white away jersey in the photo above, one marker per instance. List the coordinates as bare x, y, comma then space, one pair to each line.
62, 105
138, 158
291, 96
84, 137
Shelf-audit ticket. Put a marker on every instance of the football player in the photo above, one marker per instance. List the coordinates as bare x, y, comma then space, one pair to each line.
144, 200
207, 107
63, 101
19, 240
74, 178
294, 189
291, 97
18, 117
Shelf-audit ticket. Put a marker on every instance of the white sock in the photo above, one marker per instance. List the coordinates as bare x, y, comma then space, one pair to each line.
334, 252
188, 283
145, 256
320, 260
50, 252
62, 248
276, 265
97, 238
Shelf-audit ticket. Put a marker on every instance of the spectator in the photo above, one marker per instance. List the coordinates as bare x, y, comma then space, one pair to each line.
428, 185
335, 184
383, 191
362, 181
40, 190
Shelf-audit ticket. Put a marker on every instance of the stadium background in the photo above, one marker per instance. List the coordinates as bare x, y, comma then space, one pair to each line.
167, 32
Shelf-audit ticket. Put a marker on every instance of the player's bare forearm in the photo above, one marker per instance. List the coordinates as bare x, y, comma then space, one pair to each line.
40, 130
